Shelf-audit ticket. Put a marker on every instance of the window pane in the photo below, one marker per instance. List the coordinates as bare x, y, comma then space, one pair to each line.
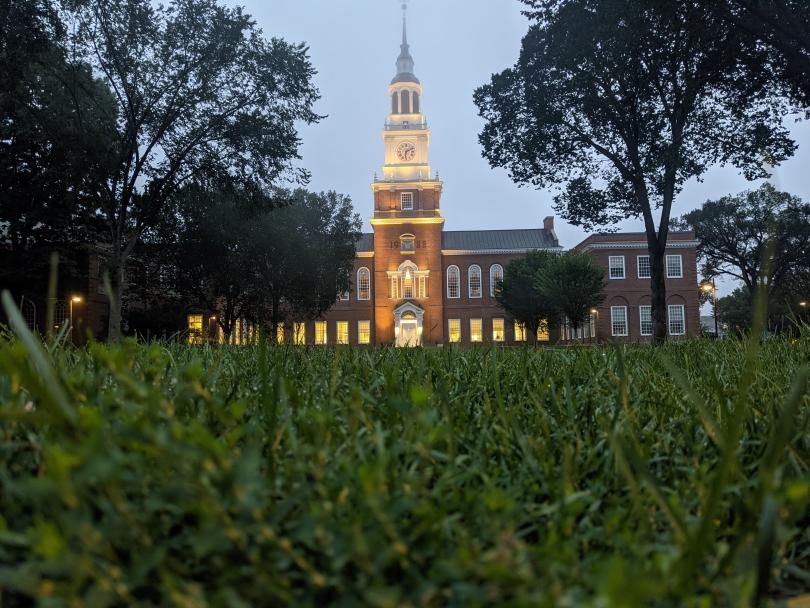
454, 327
422, 287
616, 264
453, 283
542, 332
280, 333
497, 330
300, 334
674, 267
495, 274
394, 288
194, 329
475, 281
644, 267
677, 321
407, 201
320, 332
618, 318
364, 284
342, 332
520, 331
407, 285
645, 313
476, 330
344, 296
364, 332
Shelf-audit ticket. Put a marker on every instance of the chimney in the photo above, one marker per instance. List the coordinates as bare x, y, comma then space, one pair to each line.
548, 226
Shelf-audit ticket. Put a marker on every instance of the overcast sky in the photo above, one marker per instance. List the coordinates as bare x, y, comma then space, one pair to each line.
456, 45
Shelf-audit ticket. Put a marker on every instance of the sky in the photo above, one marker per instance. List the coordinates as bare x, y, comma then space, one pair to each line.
457, 46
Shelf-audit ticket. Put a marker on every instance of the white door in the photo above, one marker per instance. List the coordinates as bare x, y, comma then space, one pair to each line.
407, 333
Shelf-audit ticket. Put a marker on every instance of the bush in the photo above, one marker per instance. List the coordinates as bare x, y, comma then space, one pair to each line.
160, 475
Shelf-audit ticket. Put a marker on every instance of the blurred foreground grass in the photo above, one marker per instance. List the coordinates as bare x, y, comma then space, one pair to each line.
191, 476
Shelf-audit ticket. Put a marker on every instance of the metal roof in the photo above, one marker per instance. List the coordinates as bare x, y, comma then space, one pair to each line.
497, 240
365, 244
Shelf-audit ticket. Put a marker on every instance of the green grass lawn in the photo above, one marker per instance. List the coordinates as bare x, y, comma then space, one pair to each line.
192, 476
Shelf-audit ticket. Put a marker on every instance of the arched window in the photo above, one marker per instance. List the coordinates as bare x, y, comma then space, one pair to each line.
495, 274
415, 102
395, 103
406, 102
453, 282
474, 274
363, 284
60, 313
30, 314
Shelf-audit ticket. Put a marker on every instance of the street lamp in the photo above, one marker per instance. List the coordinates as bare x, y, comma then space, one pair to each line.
804, 306
76, 300
707, 287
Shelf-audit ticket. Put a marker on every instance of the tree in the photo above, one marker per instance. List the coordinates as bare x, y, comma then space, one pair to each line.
517, 295
737, 311
622, 101
304, 255
734, 233
199, 92
572, 284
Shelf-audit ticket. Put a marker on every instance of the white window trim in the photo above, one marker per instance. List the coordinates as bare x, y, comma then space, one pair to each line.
480, 283
503, 330
402, 197
450, 333
360, 284
337, 332
638, 266
458, 277
325, 326
680, 265
613, 324
641, 321
359, 333
669, 316
492, 278
472, 334
610, 268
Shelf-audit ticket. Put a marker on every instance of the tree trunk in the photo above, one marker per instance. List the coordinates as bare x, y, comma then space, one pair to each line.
117, 286
658, 291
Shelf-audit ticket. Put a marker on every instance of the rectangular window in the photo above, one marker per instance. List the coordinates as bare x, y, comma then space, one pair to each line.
342, 332
616, 264
618, 320
422, 287
677, 320
497, 330
476, 330
520, 331
407, 287
280, 333
394, 288
364, 332
542, 332
344, 296
644, 267
320, 332
593, 326
299, 334
454, 330
645, 312
407, 201
195, 329
674, 267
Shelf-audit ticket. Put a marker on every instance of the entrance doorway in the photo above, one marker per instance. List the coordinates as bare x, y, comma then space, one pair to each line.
407, 333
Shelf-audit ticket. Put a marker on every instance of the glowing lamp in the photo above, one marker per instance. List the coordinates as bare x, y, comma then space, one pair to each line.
708, 287
802, 303
76, 299
408, 273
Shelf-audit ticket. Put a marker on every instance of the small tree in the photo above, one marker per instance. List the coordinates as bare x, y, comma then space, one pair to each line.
517, 295
573, 284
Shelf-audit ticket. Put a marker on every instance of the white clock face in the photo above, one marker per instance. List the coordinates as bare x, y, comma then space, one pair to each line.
406, 151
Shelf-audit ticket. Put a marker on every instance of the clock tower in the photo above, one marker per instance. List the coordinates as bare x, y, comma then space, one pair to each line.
407, 219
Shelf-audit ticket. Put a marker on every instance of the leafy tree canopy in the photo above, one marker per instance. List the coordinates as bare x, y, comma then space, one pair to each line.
573, 284
517, 295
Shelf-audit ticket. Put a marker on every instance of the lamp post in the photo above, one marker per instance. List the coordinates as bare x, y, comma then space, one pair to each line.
713, 288
76, 300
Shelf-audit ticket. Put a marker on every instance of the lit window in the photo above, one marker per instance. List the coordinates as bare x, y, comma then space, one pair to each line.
299, 334
280, 333
422, 287
677, 320
475, 281
394, 288
618, 320
476, 330
364, 332
195, 329
495, 275
542, 331
407, 201
453, 282
344, 296
320, 332
674, 267
364, 284
342, 332
454, 327
645, 312
407, 284
520, 331
644, 267
616, 264
497, 330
